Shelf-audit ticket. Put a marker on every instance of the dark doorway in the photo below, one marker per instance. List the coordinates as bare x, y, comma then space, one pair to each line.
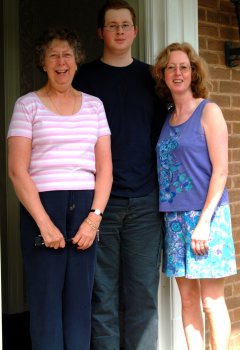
37, 16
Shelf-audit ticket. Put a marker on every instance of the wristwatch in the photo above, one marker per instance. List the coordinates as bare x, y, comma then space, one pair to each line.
96, 211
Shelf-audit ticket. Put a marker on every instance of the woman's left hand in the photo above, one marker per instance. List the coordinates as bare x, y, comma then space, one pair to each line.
200, 238
86, 234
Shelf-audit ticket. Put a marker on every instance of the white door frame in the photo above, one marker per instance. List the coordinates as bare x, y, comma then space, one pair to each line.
164, 22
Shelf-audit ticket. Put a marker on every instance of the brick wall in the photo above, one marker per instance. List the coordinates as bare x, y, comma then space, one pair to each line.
217, 24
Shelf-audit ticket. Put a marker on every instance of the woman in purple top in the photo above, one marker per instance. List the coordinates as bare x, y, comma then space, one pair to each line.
192, 154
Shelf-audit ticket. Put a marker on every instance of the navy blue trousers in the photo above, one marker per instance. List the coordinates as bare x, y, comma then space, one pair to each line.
125, 293
59, 282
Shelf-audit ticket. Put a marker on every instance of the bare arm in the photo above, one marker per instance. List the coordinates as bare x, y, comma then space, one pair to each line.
86, 234
217, 140
19, 155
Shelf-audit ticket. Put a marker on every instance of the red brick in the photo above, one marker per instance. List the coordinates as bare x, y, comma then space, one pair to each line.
235, 155
217, 24
208, 3
237, 251
219, 73
215, 86
236, 315
227, 6
217, 17
236, 73
232, 114
236, 129
236, 231
235, 101
235, 208
234, 141
202, 14
233, 303
216, 45
202, 42
230, 87
229, 33
210, 57
228, 290
208, 30
222, 101
234, 195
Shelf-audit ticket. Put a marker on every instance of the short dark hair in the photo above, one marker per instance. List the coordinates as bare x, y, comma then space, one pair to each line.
64, 34
114, 5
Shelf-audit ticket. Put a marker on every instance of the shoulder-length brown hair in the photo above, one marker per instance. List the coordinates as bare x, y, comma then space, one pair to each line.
200, 78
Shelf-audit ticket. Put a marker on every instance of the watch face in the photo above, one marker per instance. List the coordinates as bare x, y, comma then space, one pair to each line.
96, 211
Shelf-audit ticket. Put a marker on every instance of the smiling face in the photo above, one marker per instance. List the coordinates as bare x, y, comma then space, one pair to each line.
60, 64
119, 40
178, 72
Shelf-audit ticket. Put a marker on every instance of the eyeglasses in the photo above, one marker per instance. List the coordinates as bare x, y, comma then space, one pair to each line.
115, 27
184, 68
53, 56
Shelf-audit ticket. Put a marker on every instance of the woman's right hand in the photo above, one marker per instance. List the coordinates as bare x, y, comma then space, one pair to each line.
200, 238
19, 156
52, 236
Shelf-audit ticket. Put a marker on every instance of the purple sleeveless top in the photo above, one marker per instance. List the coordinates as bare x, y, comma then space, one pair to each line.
184, 166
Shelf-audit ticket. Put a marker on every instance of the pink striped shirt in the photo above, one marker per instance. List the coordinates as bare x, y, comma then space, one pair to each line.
63, 155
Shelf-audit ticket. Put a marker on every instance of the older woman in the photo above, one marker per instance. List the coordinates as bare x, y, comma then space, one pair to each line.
59, 162
192, 156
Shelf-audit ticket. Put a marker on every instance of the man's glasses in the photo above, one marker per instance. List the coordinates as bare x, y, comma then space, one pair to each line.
115, 27
184, 68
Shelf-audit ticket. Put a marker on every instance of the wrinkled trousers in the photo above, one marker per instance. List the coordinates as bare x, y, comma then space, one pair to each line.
125, 293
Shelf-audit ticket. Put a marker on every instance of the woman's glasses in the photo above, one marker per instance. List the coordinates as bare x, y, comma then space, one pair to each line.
184, 68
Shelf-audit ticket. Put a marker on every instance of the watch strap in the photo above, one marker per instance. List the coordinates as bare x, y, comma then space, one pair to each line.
96, 211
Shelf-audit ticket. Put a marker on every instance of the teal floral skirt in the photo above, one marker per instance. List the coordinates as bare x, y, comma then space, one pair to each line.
178, 258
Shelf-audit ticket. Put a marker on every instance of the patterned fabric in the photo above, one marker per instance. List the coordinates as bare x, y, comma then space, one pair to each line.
171, 171
62, 146
179, 259
184, 166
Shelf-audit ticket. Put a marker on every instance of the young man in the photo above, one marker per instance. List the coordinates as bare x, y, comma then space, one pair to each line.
127, 272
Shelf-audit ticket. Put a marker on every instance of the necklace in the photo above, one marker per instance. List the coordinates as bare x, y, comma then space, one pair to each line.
56, 108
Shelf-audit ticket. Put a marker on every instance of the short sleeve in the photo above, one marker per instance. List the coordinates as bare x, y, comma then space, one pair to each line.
103, 128
21, 121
